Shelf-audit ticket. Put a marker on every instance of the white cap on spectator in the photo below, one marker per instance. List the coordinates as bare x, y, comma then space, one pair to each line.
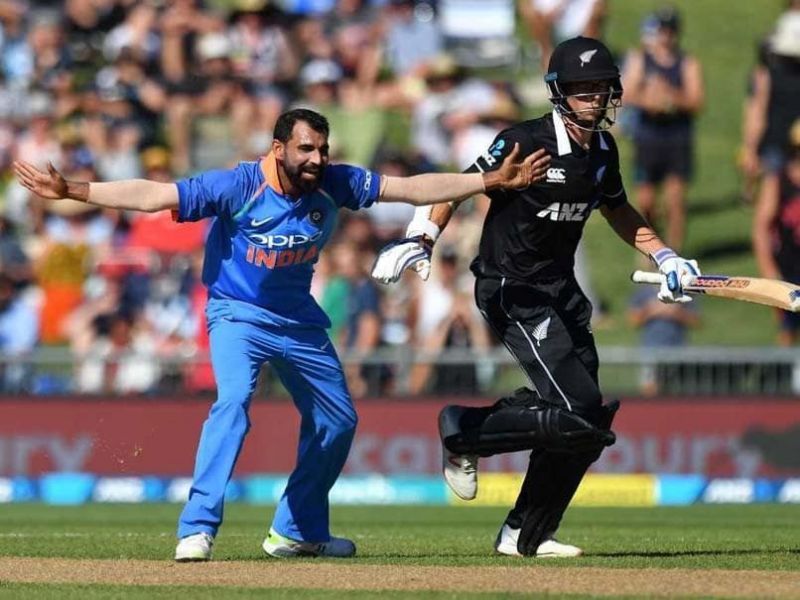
213, 45
785, 41
320, 71
40, 105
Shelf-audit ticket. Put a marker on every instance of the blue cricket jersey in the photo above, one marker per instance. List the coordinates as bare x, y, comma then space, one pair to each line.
263, 244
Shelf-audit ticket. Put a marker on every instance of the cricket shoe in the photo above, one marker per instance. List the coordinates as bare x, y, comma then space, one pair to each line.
194, 548
461, 473
282, 547
460, 470
507, 538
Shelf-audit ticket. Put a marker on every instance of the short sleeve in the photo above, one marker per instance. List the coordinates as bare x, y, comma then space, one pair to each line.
501, 147
352, 187
210, 194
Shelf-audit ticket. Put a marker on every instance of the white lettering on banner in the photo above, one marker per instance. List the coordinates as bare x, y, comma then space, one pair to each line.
6, 490
790, 492
679, 454
119, 489
17, 452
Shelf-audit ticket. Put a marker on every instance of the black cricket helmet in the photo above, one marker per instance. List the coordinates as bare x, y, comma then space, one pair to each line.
580, 60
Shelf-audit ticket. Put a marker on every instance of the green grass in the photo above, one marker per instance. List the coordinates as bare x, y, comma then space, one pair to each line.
756, 537
730, 537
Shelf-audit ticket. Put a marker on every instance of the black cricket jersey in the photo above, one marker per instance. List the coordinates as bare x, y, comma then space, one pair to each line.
532, 234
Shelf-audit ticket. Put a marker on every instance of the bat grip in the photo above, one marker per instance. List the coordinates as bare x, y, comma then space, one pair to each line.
646, 277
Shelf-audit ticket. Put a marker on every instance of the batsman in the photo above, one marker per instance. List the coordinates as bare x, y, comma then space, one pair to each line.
525, 288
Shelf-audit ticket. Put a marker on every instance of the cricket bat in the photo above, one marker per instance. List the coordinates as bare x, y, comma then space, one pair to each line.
771, 292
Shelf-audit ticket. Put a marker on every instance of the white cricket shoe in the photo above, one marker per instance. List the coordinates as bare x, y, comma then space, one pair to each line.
282, 547
507, 538
461, 473
194, 548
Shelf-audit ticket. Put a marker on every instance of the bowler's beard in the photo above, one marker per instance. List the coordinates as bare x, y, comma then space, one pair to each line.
294, 174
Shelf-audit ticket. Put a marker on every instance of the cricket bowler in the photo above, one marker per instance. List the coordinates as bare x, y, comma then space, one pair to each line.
271, 219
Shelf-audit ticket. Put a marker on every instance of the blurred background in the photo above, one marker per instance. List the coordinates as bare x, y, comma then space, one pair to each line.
104, 351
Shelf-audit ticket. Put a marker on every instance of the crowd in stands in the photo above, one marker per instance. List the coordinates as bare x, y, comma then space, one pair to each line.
113, 89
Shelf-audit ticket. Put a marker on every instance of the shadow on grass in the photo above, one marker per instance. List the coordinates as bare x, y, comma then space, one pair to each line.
722, 249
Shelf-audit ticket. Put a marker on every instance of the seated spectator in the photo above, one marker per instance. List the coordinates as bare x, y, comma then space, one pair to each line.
115, 353
209, 114
453, 103
412, 36
776, 231
262, 56
665, 85
662, 325
357, 127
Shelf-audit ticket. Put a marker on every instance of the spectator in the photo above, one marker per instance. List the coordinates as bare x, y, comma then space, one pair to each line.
772, 105
446, 318
19, 333
412, 36
776, 231
662, 325
550, 22
158, 231
453, 104
362, 332
666, 86
16, 55
115, 352
263, 57
209, 115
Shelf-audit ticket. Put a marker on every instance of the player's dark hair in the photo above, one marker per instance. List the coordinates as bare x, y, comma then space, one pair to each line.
285, 124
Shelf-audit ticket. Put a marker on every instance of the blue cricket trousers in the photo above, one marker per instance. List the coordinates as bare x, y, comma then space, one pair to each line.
307, 364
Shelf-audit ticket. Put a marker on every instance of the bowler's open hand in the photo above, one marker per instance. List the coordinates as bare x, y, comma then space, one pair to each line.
50, 185
517, 174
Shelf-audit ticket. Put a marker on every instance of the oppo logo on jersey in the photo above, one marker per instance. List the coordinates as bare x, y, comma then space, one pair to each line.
564, 211
276, 259
278, 240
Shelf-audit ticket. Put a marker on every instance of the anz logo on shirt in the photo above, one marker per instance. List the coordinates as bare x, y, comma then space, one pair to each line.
565, 211
277, 250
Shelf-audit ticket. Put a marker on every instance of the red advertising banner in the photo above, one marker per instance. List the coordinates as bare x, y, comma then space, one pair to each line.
722, 438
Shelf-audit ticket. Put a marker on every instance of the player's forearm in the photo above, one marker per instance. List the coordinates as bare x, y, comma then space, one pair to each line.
435, 188
129, 194
634, 230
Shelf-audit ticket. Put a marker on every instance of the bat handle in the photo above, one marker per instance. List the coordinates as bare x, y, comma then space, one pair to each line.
646, 277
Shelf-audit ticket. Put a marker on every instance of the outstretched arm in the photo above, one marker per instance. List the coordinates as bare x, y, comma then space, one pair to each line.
129, 194
435, 188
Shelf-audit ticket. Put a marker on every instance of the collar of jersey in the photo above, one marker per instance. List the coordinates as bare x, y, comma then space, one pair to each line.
562, 137
269, 169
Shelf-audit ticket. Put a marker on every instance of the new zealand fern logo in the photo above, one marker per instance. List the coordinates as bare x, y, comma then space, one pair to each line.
540, 331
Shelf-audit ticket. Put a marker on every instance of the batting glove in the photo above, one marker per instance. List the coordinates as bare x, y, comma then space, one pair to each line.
395, 257
675, 271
